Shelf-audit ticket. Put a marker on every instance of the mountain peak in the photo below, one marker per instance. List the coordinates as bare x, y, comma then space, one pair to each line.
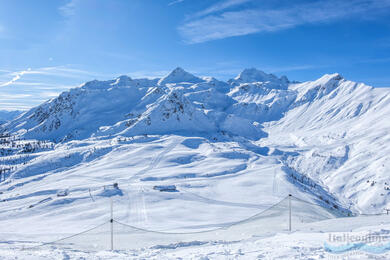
179, 70
179, 75
122, 81
251, 75
329, 79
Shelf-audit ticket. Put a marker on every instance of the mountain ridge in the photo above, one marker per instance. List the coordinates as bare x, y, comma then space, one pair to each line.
48, 115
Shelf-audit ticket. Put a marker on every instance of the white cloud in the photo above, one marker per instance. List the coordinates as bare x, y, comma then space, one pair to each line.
220, 6
16, 77
293, 68
175, 2
65, 71
14, 96
213, 24
30, 87
69, 9
59, 71
10, 106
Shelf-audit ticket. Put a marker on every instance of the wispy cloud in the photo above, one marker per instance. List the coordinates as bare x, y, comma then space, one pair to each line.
60, 71
16, 77
375, 60
68, 9
293, 68
220, 6
66, 71
27, 88
212, 24
175, 2
30, 87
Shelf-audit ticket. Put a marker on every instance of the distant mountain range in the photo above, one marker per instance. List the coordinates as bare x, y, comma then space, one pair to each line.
6, 116
179, 102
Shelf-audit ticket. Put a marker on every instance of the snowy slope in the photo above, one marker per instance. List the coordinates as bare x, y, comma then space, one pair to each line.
340, 130
231, 148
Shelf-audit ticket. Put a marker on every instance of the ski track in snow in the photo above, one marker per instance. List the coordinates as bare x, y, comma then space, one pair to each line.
136, 204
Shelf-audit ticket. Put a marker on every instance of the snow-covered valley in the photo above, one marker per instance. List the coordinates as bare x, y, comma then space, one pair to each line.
231, 149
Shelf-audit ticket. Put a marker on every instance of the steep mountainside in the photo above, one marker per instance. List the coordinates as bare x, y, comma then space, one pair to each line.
340, 130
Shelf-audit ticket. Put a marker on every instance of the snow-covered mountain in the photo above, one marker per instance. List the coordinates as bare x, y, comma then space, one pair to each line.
242, 143
177, 103
6, 115
253, 75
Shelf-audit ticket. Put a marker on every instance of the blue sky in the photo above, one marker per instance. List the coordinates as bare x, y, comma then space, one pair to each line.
48, 46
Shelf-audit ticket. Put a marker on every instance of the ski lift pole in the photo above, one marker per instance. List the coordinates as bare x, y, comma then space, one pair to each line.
112, 224
289, 212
